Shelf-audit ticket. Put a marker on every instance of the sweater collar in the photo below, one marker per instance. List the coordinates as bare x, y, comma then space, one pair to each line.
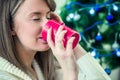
8, 67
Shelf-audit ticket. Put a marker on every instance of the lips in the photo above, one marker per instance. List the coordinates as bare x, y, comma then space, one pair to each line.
42, 40
40, 37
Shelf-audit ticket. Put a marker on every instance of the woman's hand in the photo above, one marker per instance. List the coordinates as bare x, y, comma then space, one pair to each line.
65, 56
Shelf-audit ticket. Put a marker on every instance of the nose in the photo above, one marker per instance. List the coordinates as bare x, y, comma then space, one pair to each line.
44, 21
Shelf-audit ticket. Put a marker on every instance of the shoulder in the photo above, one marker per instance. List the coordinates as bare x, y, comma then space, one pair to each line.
7, 76
8, 71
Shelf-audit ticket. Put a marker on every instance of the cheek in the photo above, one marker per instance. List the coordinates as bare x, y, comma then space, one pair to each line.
28, 36
28, 32
28, 28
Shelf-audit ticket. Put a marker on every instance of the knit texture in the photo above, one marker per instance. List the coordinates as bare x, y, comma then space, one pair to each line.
89, 69
10, 72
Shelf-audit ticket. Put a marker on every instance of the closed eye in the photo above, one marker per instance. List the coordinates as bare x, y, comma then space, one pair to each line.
37, 19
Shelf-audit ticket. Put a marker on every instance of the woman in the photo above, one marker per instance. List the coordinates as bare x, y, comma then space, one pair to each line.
25, 56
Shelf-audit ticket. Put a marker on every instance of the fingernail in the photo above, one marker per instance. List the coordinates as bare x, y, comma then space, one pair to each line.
62, 23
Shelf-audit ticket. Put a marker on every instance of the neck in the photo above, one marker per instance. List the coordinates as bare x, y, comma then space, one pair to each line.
27, 57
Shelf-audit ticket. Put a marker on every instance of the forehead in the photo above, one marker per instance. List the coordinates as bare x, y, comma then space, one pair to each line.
34, 5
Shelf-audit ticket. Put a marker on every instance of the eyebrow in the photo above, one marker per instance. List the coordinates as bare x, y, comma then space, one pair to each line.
35, 13
38, 13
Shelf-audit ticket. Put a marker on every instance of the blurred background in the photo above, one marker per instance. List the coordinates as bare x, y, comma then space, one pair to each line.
98, 22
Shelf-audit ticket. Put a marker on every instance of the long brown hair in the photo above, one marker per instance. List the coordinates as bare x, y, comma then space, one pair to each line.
8, 49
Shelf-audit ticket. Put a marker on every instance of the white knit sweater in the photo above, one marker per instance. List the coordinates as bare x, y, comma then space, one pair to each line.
89, 69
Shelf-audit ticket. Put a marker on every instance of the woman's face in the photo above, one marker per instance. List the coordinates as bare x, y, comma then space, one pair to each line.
29, 21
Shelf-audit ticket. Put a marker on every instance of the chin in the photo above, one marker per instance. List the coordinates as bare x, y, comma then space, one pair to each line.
45, 48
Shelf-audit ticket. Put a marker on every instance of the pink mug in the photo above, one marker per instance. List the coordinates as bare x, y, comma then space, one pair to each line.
55, 25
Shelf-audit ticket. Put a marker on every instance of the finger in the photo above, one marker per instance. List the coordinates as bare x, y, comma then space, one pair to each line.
56, 17
59, 30
49, 38
59, 39
69, 44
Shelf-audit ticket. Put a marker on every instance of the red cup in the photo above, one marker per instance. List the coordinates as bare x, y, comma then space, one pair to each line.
55, 25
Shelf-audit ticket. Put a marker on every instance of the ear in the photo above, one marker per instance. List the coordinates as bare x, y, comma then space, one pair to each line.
13, 32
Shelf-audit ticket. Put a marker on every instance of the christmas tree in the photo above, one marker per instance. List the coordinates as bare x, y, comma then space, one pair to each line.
98, 22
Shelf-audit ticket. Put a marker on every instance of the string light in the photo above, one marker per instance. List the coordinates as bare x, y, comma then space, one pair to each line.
92, 11
93, 53
118, 53
115, 8
76, 17
115, 44
70, 17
